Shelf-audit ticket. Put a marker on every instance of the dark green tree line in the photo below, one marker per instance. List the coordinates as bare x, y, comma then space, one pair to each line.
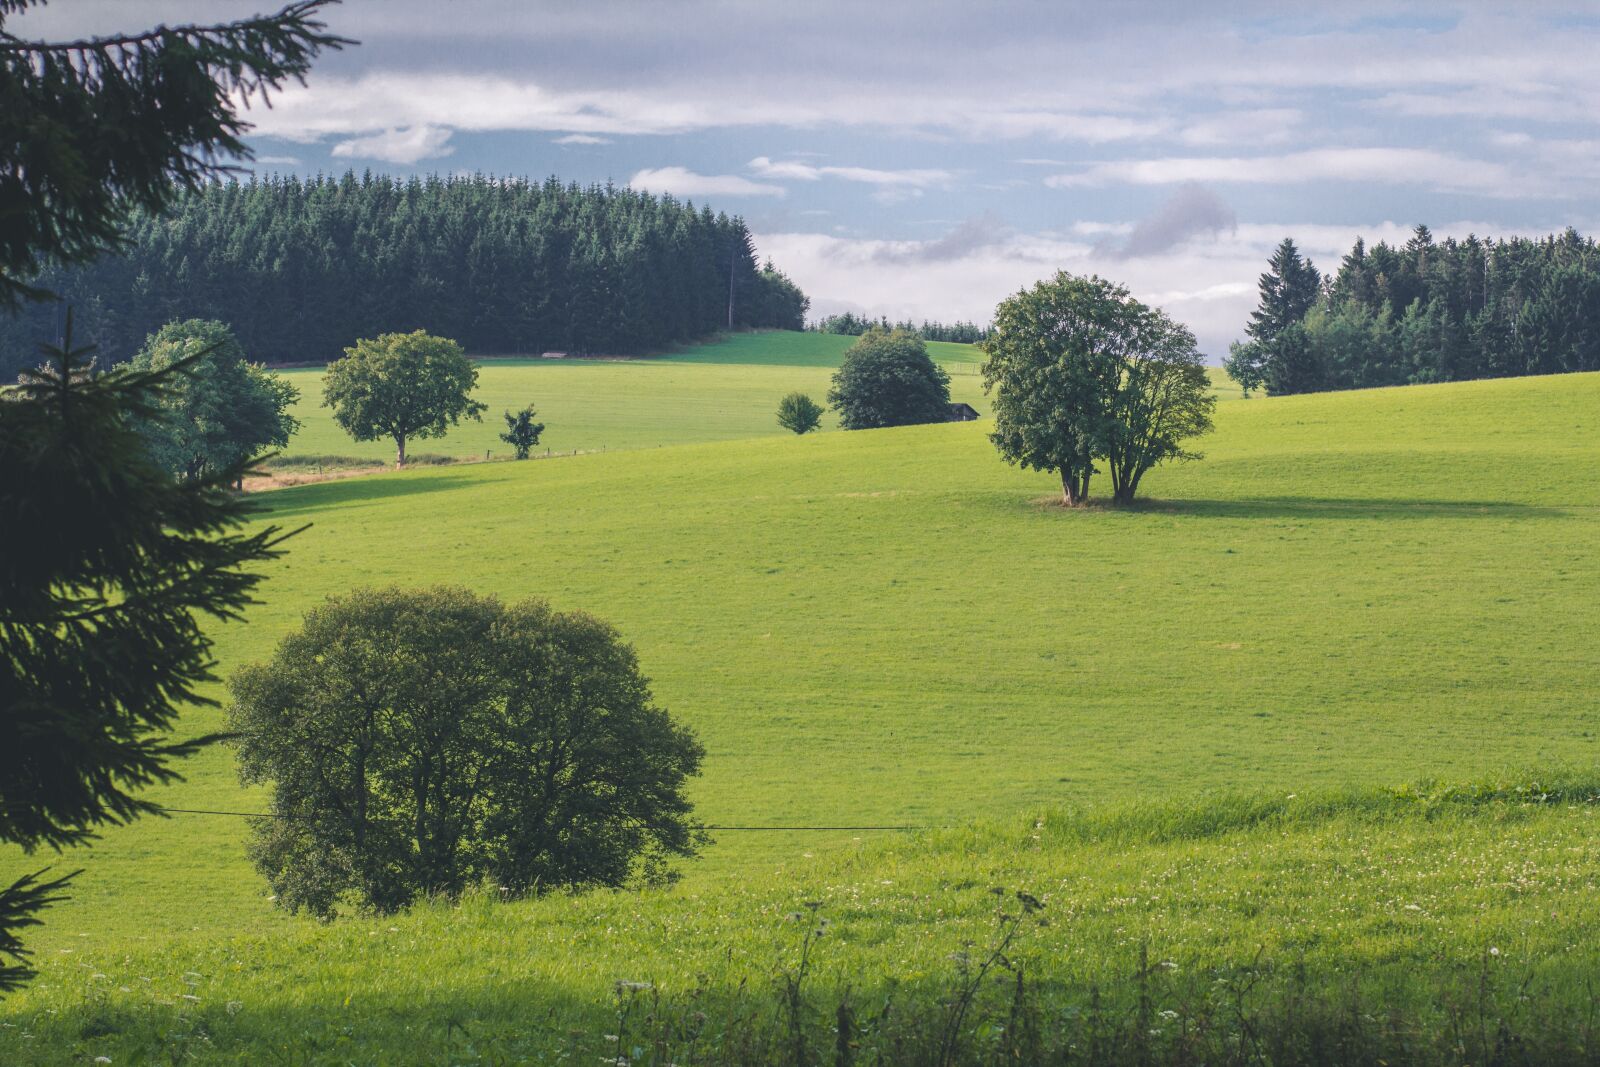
299, 268
852, 325
1425, 311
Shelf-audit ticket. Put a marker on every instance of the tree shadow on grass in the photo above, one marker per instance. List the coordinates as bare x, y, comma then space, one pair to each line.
347, 493
1347, 508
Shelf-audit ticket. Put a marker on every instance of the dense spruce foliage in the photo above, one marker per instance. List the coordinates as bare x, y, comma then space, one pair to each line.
1425, 311
850, 325
300, 268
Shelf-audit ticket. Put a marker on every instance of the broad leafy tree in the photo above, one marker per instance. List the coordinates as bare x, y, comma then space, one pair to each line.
799, 414
108, 567
887, 378
418, 742
401, 386
223, 410
1084, 375
107, 564
522, 433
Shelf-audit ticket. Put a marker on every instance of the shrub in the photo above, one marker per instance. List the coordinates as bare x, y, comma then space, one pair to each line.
799, 413
888, 379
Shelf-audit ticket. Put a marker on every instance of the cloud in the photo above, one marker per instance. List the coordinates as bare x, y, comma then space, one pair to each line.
276, 161
403, 145
981, 232
680, 181
794, 170
1273, 125
1191, 212
581, 138
1379, 166
1210, 286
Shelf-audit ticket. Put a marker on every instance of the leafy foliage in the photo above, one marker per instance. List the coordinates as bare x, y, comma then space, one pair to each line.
92, 128
888, 379
800, 414
1428, 311
222, 410
301, 267
106, 567
522, 433
401, 386
419, 742
1084, 373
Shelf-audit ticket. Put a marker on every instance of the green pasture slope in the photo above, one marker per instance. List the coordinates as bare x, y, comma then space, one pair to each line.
721, 391
892, 627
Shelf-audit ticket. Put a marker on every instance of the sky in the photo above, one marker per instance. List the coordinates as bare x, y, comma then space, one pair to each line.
926, 160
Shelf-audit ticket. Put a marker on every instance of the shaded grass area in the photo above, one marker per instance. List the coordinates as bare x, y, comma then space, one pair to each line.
1431, 924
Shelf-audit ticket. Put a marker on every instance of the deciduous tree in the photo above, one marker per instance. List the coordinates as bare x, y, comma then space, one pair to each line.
222, 410
401, 386
522, 433
888, 379
1084, 374
799, 414
419, 742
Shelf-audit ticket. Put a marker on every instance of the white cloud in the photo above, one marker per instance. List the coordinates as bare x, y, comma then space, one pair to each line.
581, 138
680, 181
398, 145
794, 170
1273, 125
1380, 166
1210, 286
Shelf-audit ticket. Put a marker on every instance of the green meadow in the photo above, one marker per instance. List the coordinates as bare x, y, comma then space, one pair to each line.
1174, 723
721, 391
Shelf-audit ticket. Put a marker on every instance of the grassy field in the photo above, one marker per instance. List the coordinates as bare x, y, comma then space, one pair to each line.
722, 391
894, 627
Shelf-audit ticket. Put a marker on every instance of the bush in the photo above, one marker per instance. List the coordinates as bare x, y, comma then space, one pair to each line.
888, 379
422, 741
799, 413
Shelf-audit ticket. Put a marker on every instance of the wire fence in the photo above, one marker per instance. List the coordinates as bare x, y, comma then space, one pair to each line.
702, 826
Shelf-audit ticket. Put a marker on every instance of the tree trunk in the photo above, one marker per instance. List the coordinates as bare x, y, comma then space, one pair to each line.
399, 452
1074, 488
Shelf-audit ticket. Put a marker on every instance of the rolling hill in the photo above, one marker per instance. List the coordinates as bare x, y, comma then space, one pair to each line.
894, 628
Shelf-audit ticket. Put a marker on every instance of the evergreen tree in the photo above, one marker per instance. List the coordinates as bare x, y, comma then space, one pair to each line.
1289, 289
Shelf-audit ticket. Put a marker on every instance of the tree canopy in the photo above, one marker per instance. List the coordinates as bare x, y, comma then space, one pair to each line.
299, 268
887, 378
1084, 374
1430, 311
522, 433
401, 386
422, 741
222, 410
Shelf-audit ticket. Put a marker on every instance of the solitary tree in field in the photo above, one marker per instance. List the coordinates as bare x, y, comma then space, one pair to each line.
800, 414
423, 741
401, 386
107, 565
522, 433
888, 379
222, 410
1084, 374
